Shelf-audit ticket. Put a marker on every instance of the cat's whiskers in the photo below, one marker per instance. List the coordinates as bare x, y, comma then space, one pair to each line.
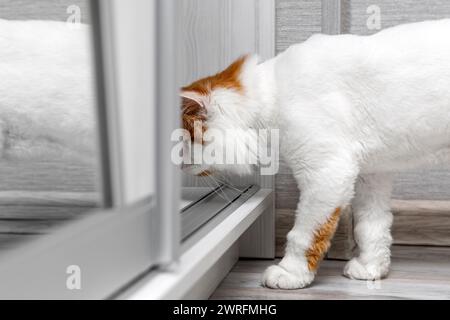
226, 182
216, 188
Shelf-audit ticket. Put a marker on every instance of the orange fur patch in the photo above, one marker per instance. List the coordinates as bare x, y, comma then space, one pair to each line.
227, 79
192, 112
321, 242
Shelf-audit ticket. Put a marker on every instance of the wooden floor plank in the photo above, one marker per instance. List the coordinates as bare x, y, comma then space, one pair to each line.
416, 273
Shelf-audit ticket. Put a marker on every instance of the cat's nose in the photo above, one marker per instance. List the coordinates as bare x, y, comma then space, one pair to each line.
191, 168
185, 166
196, 170
205, 173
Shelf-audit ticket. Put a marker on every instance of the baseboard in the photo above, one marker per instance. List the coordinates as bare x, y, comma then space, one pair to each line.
421, 222
258, 242
213, 277
416, 222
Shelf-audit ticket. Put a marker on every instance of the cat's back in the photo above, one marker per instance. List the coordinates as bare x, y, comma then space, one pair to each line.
427, 39
397, 76
409, 54
425, 42
424, 31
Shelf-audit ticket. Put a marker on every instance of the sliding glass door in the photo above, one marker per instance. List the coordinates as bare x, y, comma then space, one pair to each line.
86, 208
90, 198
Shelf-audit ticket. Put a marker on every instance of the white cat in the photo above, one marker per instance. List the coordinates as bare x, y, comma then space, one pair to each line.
46, 90
351, 110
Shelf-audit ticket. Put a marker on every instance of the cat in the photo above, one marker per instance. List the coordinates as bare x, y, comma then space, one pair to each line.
47, 96
351, 110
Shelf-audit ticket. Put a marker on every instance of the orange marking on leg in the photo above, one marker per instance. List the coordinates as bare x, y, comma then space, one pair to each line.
321, 242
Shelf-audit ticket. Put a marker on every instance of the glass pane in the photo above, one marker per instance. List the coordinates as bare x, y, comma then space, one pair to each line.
201, 53
48, 130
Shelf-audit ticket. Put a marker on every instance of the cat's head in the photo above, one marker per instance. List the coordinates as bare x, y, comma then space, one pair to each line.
217, 112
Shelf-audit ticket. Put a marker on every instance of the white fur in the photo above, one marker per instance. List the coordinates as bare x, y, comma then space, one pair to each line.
351, 110
46, 90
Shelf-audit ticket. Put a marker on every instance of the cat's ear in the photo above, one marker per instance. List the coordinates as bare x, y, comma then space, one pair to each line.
251, 61
191, 98
193, 110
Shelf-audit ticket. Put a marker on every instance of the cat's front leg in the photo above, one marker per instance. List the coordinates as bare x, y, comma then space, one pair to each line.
324, 192
373, 220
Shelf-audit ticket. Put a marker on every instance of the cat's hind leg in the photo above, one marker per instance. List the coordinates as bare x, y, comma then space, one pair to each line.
325, 189
373, 220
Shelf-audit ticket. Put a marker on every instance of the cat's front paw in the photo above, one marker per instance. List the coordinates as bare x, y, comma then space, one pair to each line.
370, 271
276, 277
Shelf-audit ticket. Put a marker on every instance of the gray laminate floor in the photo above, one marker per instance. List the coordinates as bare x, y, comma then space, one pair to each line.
416, 273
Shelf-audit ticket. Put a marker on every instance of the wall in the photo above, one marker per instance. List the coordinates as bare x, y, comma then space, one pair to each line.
41, 9
296, 21
392, 13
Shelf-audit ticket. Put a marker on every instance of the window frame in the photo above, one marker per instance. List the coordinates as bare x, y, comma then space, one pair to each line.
113, 245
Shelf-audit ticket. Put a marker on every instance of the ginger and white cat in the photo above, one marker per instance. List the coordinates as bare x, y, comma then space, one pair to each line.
351, 110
